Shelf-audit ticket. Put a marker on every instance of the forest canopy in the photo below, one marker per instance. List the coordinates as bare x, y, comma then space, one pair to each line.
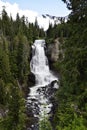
16, 38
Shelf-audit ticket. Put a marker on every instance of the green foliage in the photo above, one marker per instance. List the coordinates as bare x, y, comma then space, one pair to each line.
77, 124
45, 125
60, 30
71, 97
16, 37
4, 61
2, 92
16, 117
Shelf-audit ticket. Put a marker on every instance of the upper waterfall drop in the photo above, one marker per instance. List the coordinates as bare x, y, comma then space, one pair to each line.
39, 64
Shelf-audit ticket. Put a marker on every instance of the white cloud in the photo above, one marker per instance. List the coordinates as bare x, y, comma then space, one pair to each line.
13, 9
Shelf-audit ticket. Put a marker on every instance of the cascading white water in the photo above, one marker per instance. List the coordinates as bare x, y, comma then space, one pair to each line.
39, 64
40, 68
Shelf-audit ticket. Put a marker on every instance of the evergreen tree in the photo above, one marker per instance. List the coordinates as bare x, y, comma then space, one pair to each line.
2, 92
73, 69
15, 41
5, 23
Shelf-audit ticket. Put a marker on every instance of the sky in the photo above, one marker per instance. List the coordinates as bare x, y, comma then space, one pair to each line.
35, 8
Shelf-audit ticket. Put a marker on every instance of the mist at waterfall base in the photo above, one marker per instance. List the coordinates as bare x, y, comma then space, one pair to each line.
38, 99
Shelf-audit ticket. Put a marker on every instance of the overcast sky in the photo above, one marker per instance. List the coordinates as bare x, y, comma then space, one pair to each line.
35, 8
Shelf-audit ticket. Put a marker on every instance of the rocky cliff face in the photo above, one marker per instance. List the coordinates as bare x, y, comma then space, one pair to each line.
53, 51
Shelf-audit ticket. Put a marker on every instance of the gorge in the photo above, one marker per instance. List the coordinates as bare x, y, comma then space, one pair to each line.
38, 99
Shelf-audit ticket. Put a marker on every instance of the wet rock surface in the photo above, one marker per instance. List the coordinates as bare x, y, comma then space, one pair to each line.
31, 79
33, 105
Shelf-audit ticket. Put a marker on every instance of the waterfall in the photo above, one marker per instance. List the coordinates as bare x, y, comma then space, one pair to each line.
38, 98
39, 64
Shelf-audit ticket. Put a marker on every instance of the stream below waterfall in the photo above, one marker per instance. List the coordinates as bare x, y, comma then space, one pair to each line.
38, 100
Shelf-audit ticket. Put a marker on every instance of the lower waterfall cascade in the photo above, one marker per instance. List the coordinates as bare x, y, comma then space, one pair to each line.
38, 97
